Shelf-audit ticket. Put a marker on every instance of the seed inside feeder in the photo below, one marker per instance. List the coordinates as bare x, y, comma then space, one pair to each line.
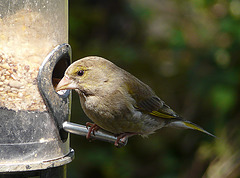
26, 38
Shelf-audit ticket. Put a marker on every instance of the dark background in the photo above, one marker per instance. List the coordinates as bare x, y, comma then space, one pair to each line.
188, 52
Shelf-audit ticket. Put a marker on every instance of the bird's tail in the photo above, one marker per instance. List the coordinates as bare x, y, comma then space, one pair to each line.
188, 125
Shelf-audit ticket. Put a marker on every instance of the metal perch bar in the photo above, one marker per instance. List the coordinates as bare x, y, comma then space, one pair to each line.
99, 135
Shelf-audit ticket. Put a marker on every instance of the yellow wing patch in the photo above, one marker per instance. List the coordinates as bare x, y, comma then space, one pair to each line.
162, 115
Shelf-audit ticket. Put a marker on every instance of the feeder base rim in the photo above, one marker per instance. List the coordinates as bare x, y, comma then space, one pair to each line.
20, 167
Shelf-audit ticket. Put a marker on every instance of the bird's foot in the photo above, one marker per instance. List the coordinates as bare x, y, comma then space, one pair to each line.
123, 138
93, 128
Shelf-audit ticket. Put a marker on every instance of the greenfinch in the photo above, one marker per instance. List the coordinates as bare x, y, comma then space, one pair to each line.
118, 102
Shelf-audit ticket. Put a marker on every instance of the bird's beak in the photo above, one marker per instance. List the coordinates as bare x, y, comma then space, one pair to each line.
65, 84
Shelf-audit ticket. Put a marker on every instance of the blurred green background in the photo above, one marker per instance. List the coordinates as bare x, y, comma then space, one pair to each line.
189, 53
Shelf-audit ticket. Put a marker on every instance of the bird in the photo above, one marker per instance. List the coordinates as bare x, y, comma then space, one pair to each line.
117, 101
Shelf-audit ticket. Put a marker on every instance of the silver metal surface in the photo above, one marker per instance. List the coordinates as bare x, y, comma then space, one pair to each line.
99, 135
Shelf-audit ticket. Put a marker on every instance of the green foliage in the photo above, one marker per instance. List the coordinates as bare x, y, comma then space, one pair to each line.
188, 52
223, 98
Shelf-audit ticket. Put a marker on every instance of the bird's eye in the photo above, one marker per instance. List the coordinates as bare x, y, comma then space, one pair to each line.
80, 73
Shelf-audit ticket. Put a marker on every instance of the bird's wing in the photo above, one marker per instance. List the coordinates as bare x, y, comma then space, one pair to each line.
156, 107
147, 101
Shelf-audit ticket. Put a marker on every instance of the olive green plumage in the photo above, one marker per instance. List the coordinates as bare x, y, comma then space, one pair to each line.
117, 101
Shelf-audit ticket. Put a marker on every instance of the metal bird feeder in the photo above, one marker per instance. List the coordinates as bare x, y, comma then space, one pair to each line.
34, 55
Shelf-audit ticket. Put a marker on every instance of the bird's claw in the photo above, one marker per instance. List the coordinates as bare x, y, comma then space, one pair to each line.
122, 139
93, 128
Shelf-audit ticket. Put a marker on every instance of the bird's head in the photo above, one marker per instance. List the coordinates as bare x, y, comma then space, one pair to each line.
88, 75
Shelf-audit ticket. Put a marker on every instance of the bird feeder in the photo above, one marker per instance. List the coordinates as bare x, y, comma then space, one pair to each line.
33, 55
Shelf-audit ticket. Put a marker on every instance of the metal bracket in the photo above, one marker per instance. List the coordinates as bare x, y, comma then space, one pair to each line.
57, 105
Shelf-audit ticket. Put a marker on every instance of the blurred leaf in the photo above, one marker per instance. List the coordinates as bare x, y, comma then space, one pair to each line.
223, 98
177, 39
